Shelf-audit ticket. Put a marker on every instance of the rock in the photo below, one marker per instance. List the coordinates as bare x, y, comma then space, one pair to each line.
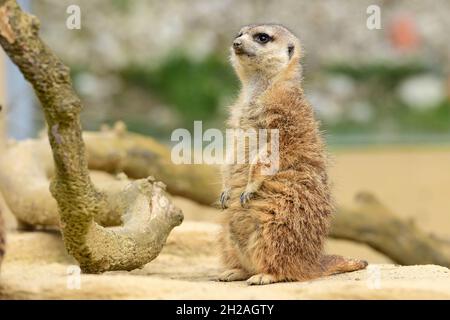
37, 267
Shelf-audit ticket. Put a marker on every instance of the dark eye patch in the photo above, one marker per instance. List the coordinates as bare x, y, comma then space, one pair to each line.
262, 37
291, 48
239, 34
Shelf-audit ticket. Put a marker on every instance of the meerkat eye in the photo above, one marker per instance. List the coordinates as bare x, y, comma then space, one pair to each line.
240, 34
262, 37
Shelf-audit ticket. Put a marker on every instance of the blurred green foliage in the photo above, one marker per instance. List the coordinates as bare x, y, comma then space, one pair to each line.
199, 90
196, 89
386, 73
436, 120
377, 84
122, 5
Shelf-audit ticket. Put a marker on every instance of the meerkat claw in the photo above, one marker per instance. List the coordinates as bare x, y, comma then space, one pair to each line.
246, 197
224, 197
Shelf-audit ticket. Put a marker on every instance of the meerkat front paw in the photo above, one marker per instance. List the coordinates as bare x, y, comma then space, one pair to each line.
246, 197
233, 275
261, 279
224, 197
249, 193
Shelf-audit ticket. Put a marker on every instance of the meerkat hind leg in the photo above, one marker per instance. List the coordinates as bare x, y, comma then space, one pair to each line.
234, 275
332, 264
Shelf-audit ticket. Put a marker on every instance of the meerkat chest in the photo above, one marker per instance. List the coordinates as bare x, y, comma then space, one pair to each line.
247, 115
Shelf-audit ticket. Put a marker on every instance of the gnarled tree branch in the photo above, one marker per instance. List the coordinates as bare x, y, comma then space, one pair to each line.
148, 216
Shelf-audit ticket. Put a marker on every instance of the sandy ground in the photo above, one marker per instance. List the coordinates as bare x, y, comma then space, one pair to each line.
414, 183
37, 267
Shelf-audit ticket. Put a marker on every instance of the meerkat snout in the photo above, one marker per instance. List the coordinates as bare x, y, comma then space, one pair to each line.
237, 46
237, 43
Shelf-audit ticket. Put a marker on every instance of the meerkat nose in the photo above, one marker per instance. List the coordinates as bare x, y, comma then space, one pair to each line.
237, 44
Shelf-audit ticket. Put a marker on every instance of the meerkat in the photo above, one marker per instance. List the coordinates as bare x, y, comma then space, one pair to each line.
274, 226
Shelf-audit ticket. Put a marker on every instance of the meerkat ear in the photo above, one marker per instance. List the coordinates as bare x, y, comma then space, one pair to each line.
291, 48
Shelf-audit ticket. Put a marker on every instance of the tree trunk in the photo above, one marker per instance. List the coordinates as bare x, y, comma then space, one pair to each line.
148, 216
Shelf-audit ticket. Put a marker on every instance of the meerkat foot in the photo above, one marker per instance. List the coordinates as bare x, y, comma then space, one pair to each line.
233, 275
261, 279
224, 197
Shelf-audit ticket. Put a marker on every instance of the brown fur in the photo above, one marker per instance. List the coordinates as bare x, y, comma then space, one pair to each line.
279, 234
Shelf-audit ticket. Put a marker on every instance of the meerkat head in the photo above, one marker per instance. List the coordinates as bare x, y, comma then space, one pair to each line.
266, 50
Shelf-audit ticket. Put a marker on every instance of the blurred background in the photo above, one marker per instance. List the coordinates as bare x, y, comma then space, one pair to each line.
382, 95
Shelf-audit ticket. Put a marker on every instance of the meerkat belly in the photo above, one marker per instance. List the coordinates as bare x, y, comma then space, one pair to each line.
244, 224
244, 232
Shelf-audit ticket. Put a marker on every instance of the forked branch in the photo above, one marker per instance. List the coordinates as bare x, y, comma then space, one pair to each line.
147, 214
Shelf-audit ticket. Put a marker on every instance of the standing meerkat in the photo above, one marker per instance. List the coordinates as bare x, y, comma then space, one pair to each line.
274, 226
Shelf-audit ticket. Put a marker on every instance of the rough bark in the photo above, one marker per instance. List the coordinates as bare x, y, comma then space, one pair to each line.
147, 214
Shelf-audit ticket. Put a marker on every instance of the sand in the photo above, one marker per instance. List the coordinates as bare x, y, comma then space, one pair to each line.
413, 182
37, 267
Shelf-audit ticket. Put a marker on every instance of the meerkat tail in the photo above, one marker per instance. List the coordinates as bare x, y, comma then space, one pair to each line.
333, 264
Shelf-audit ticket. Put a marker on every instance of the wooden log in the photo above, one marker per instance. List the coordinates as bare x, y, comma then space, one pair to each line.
117, 150
372, 223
